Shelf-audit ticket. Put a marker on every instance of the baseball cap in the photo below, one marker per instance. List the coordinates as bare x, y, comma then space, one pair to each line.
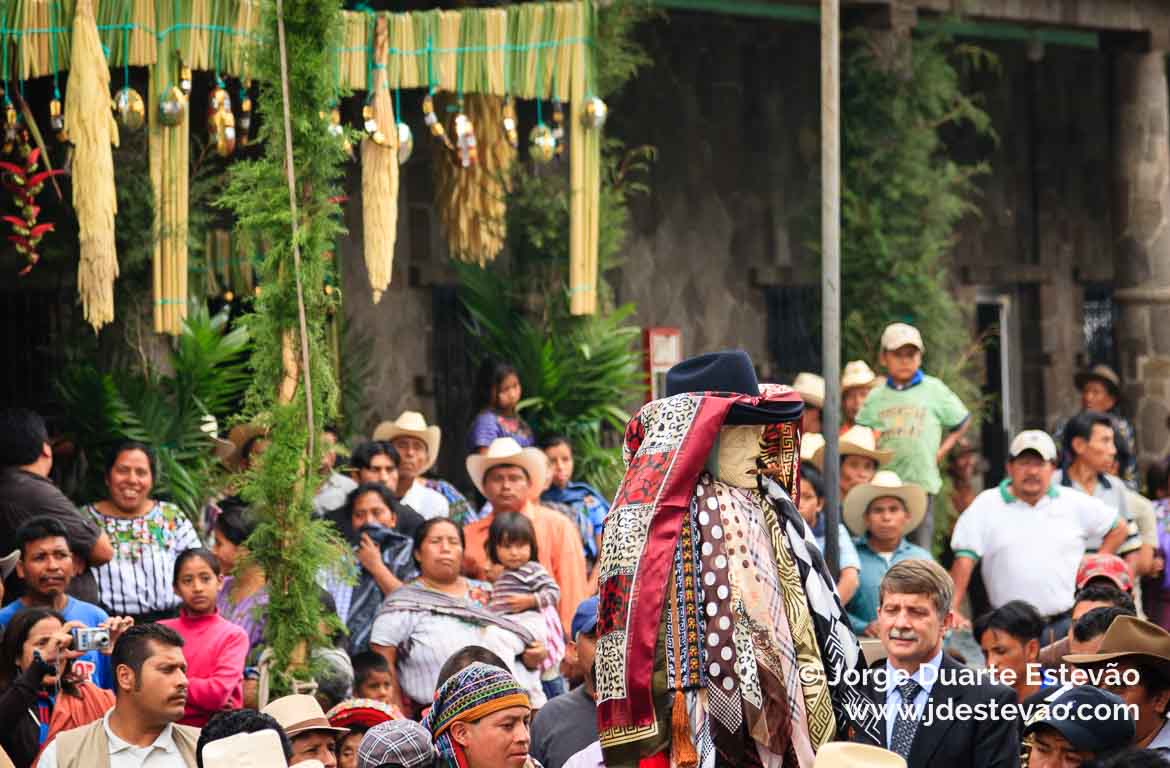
1076, 715
398, 742
1101, 565
585, 619
898, 335
1033, 440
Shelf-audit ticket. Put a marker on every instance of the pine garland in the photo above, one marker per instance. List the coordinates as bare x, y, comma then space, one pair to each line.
289, 544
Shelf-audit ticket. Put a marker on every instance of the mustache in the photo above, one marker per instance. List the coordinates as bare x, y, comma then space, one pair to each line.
897, 634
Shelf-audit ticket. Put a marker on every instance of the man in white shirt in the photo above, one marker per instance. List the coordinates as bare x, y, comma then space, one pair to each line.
150, 680
418, 450
1031, 534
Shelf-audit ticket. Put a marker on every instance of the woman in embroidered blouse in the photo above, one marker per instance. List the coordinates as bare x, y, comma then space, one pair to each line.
147, 535
499, 391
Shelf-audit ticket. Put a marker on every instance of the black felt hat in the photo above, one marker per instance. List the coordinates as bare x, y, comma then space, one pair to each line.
730, 371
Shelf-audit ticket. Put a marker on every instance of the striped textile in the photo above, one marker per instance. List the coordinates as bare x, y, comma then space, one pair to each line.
474, 692
532, 579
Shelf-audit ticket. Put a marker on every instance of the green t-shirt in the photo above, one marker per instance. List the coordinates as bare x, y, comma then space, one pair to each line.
911, 422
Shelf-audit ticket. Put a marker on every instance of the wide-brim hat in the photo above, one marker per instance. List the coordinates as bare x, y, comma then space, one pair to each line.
812, 448
811, 388
884, 483
857, 373
231, 451
1131, 638
844, 754
1101, 373
299, 714
732, 372
506, 451
857, 441
412, 424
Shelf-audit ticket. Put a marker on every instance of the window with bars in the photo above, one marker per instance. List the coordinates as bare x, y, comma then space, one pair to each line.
1099, 318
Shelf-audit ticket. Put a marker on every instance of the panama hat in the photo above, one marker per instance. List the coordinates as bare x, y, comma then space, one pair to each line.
857, 373
857, 441
505, 450
811, 388
412, 424
732, 371
844, 754
812, 445
299, 714
231, 451
884, 483
1129, 637
1101, 373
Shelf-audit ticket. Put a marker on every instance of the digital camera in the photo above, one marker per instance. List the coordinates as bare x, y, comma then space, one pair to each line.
91, 638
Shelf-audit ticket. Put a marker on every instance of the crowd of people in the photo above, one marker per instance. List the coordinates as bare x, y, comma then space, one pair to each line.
135, 636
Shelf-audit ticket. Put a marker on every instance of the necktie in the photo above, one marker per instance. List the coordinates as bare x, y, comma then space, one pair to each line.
905, 722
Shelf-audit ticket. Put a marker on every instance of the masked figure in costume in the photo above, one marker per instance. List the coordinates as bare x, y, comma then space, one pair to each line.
721, 638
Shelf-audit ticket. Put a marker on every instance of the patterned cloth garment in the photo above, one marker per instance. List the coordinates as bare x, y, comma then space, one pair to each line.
474, 692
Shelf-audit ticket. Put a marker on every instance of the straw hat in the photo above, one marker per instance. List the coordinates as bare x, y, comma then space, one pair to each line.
260, 749
412, 424
844, 754
299, 714
231, 451
811, 388
857, 373
884, 483
811, 446
857, 441
1130, 638
505, 450
1103, 374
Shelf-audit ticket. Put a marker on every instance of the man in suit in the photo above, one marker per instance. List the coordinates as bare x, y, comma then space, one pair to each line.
928, 697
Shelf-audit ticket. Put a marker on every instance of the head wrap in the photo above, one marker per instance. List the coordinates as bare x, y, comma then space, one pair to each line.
474, 692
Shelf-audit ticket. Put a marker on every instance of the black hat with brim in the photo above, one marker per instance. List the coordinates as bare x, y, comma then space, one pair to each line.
730, 371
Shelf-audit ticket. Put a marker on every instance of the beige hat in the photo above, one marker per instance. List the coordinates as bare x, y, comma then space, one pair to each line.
811, 389
810, 444
898, 335
231, 451
412, 424
260, 749
8, 564
844, 754
1128, 637
1101, 373
857, 373
857, 441
1033, 440
505, 450
300, 713
884, 483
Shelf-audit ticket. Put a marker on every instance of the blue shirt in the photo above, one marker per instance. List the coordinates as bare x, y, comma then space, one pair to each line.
93, 665
589, 506
846, 552
862, 609
926, 677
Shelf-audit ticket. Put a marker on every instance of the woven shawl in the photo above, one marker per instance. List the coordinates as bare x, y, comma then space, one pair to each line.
666, 448
412, 598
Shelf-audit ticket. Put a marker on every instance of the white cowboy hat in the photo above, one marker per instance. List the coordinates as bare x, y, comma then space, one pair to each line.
412, 424
811, 443
505, 450
844, 754
884, 483
857, 441
811, 389
857, 373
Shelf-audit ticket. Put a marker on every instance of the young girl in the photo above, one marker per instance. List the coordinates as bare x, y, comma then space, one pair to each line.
215, 648
499, 391
525, 589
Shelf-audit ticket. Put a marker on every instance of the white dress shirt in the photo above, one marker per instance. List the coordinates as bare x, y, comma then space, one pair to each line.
427, 502
161, 754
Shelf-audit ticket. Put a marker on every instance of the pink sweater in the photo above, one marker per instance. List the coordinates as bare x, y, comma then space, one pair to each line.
215, 650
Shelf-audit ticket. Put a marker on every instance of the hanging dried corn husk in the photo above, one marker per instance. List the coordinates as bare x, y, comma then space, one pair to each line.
380, 175
471, 200
92, 130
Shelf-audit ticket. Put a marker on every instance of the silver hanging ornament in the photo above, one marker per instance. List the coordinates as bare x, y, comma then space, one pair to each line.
131, 109
595, 114
57, 120
405, 143
542, 145
172, 106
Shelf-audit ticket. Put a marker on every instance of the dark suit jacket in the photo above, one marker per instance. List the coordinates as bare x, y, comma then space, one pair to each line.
955, 742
